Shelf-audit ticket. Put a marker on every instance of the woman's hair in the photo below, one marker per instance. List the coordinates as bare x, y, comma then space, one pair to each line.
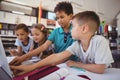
23, 27
41, 28
64, 6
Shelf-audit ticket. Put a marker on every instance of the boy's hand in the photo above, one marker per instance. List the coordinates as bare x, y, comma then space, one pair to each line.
16, 61
13, 52
22, 69
71, 63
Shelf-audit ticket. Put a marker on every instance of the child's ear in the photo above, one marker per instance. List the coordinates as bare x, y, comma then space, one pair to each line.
71, 15
85, 28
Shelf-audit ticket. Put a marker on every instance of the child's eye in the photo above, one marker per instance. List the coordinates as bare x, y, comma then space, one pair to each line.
37, 34
61, 17
21, 34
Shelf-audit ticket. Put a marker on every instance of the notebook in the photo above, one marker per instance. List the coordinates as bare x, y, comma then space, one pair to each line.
5, 73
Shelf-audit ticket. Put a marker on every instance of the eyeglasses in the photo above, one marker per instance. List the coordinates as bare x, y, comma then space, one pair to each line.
65, 37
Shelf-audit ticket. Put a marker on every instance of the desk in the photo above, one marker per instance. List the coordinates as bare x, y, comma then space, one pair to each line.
110, 73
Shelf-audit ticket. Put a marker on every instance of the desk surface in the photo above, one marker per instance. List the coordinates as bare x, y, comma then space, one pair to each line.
110, 73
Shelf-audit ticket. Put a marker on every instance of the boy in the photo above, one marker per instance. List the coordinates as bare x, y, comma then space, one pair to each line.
60, 37
93, 50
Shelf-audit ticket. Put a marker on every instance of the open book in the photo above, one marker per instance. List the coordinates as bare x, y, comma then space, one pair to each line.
62, 74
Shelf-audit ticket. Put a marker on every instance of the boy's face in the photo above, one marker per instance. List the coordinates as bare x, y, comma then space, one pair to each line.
37, 35
22, 35
76, 30
63, 19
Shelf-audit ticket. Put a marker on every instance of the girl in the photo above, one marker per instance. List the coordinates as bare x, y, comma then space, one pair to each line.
23, 42
39, 35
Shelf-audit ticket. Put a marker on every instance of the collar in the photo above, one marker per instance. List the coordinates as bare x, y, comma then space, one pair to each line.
62, 31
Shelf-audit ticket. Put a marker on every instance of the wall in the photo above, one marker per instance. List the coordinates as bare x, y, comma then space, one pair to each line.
45, 22
6, 17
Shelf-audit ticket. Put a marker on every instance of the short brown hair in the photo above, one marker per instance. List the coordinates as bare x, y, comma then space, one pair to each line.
22, 26
64, 6
88, 16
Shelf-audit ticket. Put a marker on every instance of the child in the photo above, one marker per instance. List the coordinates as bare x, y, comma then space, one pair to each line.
93, 50
60, 37
39, 34
23, 42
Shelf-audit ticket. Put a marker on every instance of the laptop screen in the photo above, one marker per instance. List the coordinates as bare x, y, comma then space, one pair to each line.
4, 75
3, 62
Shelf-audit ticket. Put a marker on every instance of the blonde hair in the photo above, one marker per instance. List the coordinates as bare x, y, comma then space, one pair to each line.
42, 29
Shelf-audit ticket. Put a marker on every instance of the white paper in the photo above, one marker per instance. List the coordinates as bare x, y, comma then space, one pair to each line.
57, 75
10, 58
72, 70
31, 61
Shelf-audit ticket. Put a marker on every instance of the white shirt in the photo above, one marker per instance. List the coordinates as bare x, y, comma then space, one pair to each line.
98, 51
25, 48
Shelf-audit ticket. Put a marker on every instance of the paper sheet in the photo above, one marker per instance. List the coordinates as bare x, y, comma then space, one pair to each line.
10, 58
57, 75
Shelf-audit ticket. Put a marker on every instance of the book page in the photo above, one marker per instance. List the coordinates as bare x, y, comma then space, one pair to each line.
57, 75
10, 58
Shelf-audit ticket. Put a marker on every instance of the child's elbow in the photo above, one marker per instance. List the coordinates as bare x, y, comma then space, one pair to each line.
101, 71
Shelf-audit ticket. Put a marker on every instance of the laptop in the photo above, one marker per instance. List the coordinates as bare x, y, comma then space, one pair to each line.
5, 73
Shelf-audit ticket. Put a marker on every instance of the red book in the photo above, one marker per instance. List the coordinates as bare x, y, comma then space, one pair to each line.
37, 74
